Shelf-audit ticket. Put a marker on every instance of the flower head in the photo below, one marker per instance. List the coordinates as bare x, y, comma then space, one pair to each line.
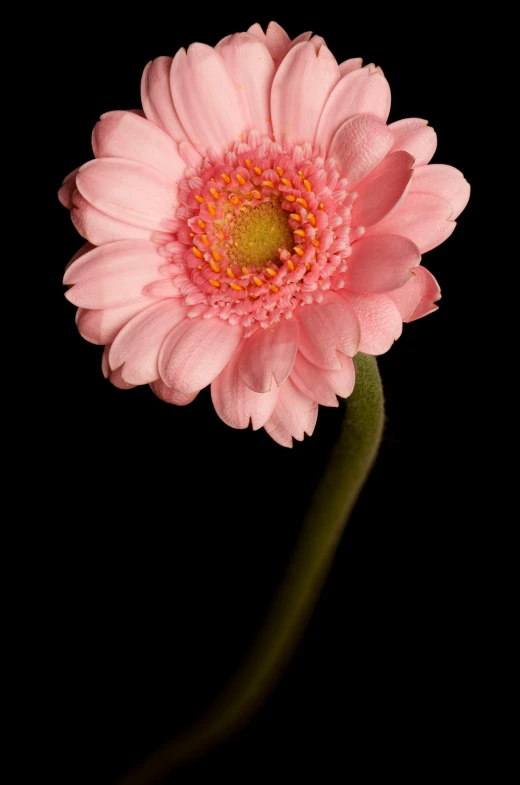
255, 226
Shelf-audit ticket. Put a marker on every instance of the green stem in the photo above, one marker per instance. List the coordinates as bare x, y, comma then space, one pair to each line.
331, 505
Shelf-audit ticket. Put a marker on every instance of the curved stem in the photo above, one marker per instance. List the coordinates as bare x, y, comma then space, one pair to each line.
344, 476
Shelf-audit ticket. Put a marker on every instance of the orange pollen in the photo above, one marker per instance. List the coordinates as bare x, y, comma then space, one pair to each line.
214, 283
197, 253
308, 266
290, 198
271, 272
285, 181
311, 219
273, 288
237, 287
226, 177
234, 198
257, 170
290, 265
199, 267
214, 267
321, 206
221, 235
192, 234
269, 183
248, 163
253, 296
216, 256
211, 209
245, 270
201, 224
298, 250
302, 202
307, 185
295, 216
301, 232
300, 174
230, 273
279, 170
240, 179
258, 281
204, 238
215, 194
316, 243
199, 199
256, 194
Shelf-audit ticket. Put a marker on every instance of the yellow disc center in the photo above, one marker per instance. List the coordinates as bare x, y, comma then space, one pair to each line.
258, 233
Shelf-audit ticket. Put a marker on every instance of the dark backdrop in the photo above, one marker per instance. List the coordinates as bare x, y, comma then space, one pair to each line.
169, 531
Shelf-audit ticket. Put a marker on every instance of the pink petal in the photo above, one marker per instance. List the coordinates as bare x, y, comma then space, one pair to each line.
128, 191
300, 39
423, 218
157, 99
169, 395
139, 342
163, 288
278, 433
79, 253
322, 385
300, 89
258, 32
119, 257
113, 275
114, 291
294, 416
380, 263
117, 380
99, 228
415, 137
445, 181
374, 69
268, 353
190, 155
252, 70
359, 145
326, 329
126, 135
113, 376
361, 91
417, 298
205, 98
105, 367
383, 189
102, 326
67, 189
379, 319
350, 65
196, 351
236, 404
275, 39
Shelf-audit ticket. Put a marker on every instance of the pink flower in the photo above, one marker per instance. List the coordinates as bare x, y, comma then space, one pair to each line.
260, 185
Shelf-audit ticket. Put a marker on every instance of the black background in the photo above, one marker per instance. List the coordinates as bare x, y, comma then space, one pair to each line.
170, 531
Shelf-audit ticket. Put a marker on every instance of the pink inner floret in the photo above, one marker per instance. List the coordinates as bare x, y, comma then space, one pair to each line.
216, 195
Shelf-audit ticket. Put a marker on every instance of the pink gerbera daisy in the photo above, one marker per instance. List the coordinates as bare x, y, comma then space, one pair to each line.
255, 226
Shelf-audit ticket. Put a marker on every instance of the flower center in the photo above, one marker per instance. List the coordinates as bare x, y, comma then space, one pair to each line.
262, 231
257, 233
